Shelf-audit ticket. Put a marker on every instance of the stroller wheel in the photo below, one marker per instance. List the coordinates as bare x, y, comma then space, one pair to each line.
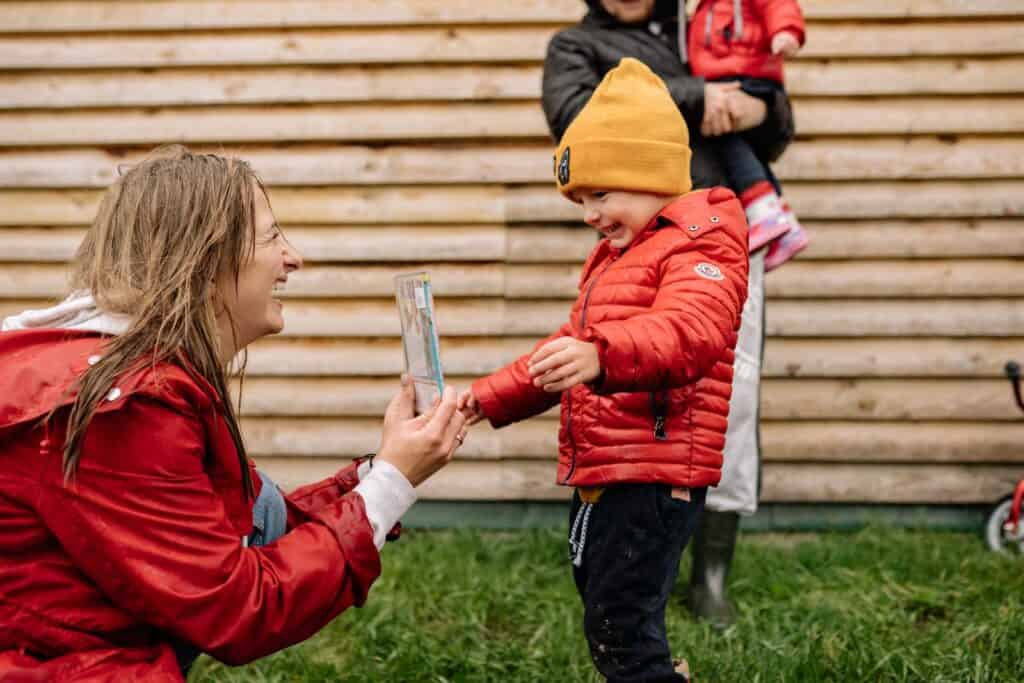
997, 538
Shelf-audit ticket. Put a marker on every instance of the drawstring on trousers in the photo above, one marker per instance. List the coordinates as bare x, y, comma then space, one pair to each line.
580, 525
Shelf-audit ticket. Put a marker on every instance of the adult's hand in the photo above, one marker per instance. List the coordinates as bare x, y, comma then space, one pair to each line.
745, 111
420, 446
717, 118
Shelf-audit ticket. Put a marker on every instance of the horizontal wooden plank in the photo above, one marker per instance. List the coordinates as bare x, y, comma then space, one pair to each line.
906, 77
833, 241
913, 39
530, 204
910, 279
456, 44
364, 243
337, 84
827, 159
799, 280
836, 483
432, 122
915, 239
910, 9
851, 318
466, 204
537, 439
391, 45
782, 482
907, 115
159, 15
782, 399
805, 358
883, 318
540, 203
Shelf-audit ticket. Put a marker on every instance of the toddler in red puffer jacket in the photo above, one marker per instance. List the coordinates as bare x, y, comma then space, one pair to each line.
643, 369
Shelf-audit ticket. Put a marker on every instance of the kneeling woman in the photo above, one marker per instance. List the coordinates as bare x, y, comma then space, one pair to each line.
134, 531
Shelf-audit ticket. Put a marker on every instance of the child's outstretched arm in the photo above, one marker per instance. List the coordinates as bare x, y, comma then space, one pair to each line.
509, 395
696, 312
783, 16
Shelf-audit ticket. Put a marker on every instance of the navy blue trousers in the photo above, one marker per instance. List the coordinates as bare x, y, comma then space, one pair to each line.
633, 540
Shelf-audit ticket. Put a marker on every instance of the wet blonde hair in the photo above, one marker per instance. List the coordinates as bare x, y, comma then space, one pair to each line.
164, 235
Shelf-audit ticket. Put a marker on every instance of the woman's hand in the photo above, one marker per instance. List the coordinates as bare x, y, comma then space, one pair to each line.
420, 446
745, 111
563, 363
470, 407
717, 119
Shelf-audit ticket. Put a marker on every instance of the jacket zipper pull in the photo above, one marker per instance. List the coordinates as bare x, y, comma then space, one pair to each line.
659, 408
659, 428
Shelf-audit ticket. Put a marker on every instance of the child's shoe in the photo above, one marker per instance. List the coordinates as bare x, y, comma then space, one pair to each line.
791, 244
767, 219
682, 667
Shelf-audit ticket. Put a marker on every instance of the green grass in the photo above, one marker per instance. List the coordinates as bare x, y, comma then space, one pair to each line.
876, 605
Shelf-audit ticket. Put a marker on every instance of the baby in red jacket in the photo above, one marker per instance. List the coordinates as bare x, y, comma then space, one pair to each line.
642, 369
744, 42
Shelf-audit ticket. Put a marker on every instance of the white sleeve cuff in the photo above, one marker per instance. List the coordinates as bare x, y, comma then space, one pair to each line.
387, 495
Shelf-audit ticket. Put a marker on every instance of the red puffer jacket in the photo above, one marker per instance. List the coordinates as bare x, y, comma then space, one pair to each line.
665, 316
723, 42
98, 578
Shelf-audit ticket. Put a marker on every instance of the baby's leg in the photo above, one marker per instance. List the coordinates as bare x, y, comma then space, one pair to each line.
633, 540
754, 184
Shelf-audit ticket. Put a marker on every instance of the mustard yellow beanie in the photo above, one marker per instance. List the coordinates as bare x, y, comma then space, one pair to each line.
629, 136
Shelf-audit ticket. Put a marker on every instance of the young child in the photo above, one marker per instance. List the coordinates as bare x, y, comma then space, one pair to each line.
746, 40
643, 368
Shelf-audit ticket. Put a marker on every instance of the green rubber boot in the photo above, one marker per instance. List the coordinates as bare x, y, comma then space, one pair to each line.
713, 546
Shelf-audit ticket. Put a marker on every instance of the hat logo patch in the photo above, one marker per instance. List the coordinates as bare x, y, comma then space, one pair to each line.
563, 168
708, 271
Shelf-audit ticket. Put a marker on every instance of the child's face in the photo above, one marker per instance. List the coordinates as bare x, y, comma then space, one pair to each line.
619, 215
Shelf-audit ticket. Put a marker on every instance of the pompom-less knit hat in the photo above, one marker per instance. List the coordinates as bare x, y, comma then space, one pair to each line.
629, 136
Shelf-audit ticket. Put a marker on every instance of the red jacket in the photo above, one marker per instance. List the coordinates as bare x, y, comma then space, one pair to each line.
145, 547
665, 316
715, 50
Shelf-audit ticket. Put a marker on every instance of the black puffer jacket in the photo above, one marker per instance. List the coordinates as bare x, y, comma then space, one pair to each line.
579, 57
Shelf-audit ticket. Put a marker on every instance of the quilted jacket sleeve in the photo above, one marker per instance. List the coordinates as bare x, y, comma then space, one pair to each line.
509, 395
692, 321
782, 15
144, 522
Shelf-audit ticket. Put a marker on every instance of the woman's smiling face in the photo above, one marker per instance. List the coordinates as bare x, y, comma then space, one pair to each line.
250, 300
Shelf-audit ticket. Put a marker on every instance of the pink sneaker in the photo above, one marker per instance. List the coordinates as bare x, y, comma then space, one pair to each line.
781, 250
767, 232
768, 221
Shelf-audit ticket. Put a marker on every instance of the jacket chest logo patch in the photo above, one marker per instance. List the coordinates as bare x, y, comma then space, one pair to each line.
708, 271
563, 168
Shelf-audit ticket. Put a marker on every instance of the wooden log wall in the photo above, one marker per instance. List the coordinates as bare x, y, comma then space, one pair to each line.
407, 134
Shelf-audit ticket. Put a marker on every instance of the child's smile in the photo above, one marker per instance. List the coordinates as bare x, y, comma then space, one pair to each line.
619, 215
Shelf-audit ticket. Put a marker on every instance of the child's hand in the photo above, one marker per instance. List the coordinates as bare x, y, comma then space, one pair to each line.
470, 407
564, 363
786, 43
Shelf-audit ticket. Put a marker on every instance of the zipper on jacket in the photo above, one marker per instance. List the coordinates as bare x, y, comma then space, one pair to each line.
568, 398
659, 407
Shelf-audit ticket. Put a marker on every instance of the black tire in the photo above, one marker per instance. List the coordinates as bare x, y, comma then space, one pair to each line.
995, 537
